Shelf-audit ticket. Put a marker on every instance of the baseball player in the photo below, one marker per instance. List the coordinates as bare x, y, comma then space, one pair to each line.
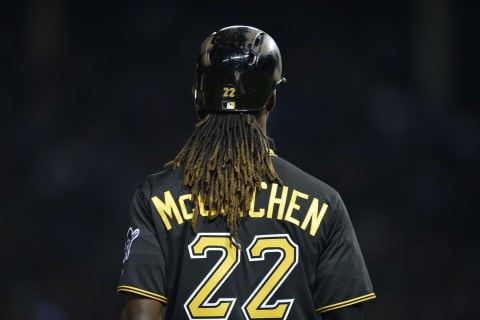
230, 230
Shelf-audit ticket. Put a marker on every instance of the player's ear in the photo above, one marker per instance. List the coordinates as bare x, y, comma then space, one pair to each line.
271, 101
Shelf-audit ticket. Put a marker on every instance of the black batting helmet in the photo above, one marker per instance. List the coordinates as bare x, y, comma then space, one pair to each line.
238, 68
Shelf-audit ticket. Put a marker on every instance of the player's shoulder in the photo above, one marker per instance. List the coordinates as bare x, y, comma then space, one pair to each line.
154, 183
293, 175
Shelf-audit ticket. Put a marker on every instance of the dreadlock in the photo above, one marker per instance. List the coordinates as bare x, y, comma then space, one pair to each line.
226, 158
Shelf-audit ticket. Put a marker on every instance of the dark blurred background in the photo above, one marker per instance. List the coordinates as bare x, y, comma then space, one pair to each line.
380, 103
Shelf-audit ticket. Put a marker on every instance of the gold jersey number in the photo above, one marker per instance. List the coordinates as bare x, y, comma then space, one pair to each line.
258, 305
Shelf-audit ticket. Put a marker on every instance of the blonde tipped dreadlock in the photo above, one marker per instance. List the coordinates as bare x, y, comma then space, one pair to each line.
226, 158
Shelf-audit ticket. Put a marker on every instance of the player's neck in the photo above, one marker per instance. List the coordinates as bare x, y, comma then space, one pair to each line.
262, 121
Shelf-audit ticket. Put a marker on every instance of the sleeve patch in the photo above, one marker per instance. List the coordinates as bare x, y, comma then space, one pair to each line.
131, 235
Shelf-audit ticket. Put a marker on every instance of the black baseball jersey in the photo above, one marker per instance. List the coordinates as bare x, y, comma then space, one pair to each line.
297, 253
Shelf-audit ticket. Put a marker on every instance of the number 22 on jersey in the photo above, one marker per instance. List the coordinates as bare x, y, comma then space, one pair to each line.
258, 305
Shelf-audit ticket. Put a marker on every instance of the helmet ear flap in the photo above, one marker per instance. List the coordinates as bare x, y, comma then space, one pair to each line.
237, 70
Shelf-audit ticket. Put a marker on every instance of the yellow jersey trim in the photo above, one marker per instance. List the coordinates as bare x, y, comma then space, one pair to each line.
144, 293
346, 303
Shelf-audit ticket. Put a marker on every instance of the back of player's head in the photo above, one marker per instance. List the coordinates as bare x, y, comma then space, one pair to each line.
237, 69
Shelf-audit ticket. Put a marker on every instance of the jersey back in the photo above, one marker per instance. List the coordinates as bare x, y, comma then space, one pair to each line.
296, 256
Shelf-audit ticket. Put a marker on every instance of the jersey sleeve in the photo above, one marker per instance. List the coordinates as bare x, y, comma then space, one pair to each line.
144, 260
342, 278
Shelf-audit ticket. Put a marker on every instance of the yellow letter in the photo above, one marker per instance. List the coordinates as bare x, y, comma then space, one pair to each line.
280, 201
314, 216
165, 209
293, 205
261, 212
181, 200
